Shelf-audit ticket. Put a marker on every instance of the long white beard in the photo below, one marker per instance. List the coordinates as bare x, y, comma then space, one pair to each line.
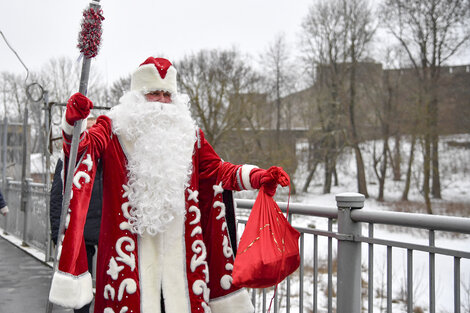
160, 140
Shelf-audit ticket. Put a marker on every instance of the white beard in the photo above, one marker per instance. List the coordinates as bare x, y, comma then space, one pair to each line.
158, 139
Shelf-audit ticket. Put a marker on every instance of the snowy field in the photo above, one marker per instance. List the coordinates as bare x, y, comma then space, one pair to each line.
455, 181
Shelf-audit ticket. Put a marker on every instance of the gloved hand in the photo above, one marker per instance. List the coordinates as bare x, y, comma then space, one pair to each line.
4, 210
269, 179
78, 108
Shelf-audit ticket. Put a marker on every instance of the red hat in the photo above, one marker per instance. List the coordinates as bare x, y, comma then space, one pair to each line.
154, 74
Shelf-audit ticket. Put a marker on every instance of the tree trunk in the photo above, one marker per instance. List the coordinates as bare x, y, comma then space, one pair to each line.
361, 174
309, 177
397, 159
434, 141
427, 172
404, 196
328, 175
436, 181
335, 175
383, 170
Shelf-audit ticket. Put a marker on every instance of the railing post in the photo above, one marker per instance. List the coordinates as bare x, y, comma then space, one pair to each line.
25, 206
349, 254
6, 191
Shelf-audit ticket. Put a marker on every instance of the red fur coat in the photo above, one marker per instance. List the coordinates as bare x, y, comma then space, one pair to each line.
190, 264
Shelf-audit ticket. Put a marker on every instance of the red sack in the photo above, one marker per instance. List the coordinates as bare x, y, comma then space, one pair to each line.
269, 247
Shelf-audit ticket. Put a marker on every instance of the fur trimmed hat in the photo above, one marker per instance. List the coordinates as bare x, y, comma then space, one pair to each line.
154, 74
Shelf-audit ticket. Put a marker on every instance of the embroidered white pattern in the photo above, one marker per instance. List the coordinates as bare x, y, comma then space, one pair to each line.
110, 310
221, 205
193, 194
109, 292
88, 162
123, 257
76, 179
224, 226
198, 247
206, 308
125, 212
218, 189
128, 285
114, 268
197, 219
127, 190
200, 288
229, 267
227, 250
196, 230
226, 282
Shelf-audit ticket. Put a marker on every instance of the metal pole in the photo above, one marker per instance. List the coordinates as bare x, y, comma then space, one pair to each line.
7, 191
4, 165
24, 196
27, 183
4, 151
47, 178
349, 254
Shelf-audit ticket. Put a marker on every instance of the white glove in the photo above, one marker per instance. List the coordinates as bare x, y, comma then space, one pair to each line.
4, 210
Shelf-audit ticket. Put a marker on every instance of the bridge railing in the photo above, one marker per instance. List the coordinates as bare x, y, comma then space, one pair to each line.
349, 282
336, 274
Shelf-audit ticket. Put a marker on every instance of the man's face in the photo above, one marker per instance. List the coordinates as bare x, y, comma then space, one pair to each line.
158, 96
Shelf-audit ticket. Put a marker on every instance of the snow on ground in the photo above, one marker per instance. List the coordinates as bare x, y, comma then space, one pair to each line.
455, 182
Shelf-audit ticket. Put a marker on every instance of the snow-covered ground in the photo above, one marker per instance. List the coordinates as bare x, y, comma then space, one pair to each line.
455, 182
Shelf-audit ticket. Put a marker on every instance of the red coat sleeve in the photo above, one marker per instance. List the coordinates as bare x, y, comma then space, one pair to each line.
71, 284
232, 176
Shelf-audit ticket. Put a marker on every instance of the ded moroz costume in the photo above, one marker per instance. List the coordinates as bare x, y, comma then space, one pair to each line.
167, 235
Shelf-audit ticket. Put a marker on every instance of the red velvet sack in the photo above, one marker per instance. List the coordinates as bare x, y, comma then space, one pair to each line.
269, 247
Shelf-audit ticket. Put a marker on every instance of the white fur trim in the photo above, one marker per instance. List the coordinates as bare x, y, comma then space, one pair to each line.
162, 263
245, 175
236, 302
174, 277
68, 129
71, 291
146, 78
150, 271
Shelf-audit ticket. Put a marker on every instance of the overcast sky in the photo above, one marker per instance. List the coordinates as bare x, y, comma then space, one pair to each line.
133, 30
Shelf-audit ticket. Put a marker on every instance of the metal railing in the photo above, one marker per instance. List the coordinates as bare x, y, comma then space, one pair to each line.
352, 268
335, 274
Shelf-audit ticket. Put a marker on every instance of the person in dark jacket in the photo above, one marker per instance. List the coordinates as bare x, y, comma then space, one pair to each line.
93, 219
3, 205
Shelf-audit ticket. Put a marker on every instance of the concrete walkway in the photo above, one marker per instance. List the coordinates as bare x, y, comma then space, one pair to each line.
24, 281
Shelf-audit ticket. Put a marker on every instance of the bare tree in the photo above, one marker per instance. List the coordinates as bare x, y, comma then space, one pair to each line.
359, 31
118, 89
13, 95
213, 79
335, 37
323, 54
280, 77
430, 32
61, 78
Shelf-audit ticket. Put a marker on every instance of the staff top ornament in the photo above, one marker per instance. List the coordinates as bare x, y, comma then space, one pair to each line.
89, 38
